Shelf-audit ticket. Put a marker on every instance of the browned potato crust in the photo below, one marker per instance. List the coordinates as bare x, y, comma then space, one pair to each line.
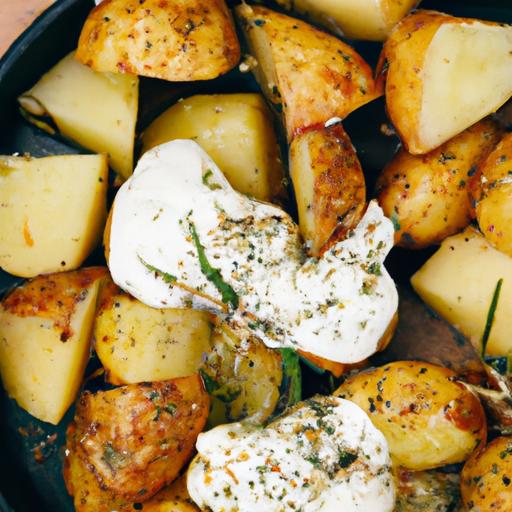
426, 47
428, 418
427, 196
493, 184
176, 40
329, 186
137, 438
486, 480
309, 75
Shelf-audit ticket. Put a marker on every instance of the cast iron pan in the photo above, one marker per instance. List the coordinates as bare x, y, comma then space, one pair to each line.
31, 452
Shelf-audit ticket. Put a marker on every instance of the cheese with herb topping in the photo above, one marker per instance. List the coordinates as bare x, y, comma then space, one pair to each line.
323, 455
182, 237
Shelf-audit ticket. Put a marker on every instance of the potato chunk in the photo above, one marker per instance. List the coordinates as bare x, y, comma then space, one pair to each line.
176, 40
236, 131
137, 438
136, 343
310, 76
443, 75
356, 19
427, 196
53, 211
428, 418
494, 197
96, 110
329, 186
45, 333
458, 282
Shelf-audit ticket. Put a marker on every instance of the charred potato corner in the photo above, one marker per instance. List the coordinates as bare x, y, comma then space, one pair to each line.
210, 304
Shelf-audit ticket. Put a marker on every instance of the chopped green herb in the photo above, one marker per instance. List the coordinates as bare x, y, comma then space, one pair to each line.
213, 275
168, 278
346, 458
490, 316
112, 457
206, 180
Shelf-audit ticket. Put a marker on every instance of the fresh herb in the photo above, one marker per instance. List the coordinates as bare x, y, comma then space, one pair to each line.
490, 316
345, 459
171, 409
213, 275
223, 392
395, 221
112, 457
168, 278
375, 269
290, 390
206, 180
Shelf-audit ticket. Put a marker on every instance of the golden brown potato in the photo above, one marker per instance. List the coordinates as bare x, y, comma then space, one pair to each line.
459, 281
443, 74
45, 333
96, 110
428, 418
52, 211
137, 438
90, 497
176, 40
493, 183
243, 377
487, 477
356, 19
236, 130
136, 343
329, 186
307, 74
427, 196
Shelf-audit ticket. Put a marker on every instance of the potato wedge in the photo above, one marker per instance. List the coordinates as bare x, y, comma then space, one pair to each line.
38, 194
428, 418
370, 20
458, 282
96, 110
136, 343
176, 40
443, 74
427, 196
243, 377
308, 75
485, 479
90, 497
329, 186
137, 438
236, 131
45, 333
494, 196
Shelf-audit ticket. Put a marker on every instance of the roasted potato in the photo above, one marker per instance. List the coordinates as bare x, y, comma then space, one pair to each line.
243, 377
428, 418
308, 75
136, 343
443, 74
486, 478
176, 40
96, 110
459, 282
329, 186
356, 19
427, 196
493, 196
88, 495
430, 491
137, 438
53, 211
236, 131
45, 333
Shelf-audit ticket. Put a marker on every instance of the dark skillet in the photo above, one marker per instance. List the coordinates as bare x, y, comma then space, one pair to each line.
29, 485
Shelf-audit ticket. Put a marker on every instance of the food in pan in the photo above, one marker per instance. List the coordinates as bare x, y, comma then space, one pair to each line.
225, 310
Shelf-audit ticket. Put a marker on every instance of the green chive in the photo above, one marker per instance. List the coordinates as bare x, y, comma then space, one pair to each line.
490, 316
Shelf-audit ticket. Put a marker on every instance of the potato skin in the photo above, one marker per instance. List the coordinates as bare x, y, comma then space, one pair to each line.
493, 196
308, 74
428, 418
486, 478
329, 186
137, 438
427, 196
176, 40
